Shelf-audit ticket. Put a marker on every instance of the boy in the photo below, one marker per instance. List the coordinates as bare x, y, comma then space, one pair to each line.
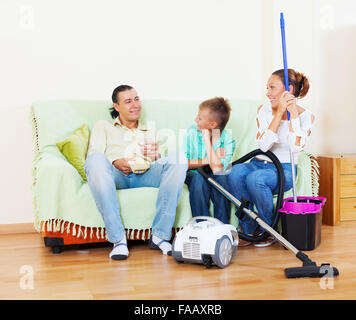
207, 143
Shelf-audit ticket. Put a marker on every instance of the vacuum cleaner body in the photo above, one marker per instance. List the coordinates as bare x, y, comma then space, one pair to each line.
205, 240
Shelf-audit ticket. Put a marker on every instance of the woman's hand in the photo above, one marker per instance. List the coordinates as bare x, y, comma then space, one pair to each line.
292, 108
287, 102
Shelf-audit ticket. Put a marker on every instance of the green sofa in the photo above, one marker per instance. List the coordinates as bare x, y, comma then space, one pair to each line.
63, 204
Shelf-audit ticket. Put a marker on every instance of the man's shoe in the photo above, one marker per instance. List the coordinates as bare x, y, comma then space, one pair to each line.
156, 243
120, 251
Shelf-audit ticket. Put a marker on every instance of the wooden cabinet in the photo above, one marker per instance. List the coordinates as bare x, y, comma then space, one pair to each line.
337, 183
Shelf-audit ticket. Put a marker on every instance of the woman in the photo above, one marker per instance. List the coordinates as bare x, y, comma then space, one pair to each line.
257, 180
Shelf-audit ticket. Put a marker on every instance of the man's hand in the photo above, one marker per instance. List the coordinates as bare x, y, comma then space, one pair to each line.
150, 150
123, 165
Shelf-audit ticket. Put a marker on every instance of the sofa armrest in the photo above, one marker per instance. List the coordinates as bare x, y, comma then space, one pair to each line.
53, 165
54, 178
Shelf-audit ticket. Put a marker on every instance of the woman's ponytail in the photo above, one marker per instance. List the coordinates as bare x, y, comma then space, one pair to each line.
298, 80
302, 84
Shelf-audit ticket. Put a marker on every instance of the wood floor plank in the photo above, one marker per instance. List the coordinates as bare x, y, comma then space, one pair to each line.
255, 273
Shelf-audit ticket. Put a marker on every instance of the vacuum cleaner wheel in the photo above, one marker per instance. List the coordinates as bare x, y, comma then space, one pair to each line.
223, 252
177, 256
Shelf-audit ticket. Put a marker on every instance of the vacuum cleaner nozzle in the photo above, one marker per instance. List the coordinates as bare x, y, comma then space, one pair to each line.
312, 271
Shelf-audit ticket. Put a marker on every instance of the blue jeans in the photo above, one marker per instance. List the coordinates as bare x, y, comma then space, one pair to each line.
257, 182
200, 193
104, 179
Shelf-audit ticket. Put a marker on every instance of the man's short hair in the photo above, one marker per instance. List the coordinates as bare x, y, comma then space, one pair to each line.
115, 97
220, 110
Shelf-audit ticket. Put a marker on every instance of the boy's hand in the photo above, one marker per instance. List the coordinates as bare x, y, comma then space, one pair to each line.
206, 135
220, 152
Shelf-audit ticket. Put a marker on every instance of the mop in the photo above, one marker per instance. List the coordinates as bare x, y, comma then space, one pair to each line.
309, 269
286, 84
301, 206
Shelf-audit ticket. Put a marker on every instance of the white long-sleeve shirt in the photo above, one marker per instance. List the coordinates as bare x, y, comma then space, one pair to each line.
280, 143
117, 141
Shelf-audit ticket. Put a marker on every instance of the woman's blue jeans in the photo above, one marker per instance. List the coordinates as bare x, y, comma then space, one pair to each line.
104, 179
200, 193
257, 182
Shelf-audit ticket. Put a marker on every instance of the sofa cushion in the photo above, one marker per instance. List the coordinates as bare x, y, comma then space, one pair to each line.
75, 148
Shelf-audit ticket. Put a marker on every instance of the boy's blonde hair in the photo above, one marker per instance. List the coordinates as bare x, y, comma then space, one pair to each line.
219, 109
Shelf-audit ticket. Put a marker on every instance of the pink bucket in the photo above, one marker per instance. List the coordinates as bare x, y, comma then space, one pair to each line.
304, 205
302, 220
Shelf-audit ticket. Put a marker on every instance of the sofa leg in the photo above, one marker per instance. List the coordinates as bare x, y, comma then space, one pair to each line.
56, 249
55, 243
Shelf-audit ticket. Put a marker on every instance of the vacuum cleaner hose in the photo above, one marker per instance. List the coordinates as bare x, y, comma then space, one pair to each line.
280, 194
281, 181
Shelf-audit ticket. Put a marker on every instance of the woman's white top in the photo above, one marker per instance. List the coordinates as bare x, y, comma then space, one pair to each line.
280, 143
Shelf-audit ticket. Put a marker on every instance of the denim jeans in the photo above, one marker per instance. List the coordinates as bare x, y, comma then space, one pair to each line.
200, 193
104, 179
257, 181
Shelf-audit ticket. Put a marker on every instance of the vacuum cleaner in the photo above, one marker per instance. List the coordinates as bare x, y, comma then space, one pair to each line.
206, 240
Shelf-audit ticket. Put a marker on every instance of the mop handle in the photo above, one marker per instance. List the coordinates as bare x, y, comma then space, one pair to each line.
286, 81
286, 84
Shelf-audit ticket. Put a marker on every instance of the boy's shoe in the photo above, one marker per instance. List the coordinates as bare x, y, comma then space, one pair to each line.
120, 251
156, 243
270, 240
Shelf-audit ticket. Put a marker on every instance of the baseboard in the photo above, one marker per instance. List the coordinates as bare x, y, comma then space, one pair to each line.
14, 228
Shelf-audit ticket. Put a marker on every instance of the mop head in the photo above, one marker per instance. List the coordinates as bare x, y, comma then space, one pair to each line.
312, 271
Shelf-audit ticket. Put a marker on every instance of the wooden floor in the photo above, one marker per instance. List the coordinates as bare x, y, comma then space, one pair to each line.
255, 273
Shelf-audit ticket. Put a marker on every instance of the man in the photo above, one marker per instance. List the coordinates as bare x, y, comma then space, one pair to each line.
113, 147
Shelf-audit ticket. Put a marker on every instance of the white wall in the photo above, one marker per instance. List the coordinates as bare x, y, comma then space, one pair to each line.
176, 49
320, 37
335, 69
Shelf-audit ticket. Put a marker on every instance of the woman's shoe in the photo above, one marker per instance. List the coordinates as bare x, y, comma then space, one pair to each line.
243, 243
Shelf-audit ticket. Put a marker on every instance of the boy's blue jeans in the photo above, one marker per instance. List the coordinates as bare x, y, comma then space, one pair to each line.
104, 179
200, 193
257, 181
